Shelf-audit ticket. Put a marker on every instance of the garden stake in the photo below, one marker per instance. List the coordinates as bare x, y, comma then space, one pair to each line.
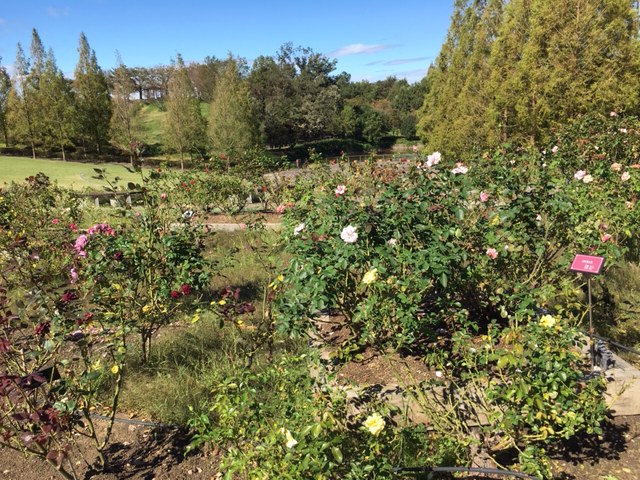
588, 265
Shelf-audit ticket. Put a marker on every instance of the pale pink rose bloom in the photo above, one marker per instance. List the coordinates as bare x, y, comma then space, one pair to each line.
280, 208
625, 176
613, 114
299, 229
616, 167
415, 148
587, 179
492, 253
555, 149
606, 237
538, 218
349, 234
484, 196
163, 196
623, 130
433, 159
340, 189
74, 275
579, 175
392, 242
460, 168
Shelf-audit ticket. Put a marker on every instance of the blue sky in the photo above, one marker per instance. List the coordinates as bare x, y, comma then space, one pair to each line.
370, 39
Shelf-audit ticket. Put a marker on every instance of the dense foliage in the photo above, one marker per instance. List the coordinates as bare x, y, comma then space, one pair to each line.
517, 71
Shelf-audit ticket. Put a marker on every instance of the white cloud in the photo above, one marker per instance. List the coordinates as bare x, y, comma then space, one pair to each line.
58, 12
359, 48
402, 61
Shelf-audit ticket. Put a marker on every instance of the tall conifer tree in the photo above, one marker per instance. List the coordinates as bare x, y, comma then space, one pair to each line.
93, 101
5, 88
56, 105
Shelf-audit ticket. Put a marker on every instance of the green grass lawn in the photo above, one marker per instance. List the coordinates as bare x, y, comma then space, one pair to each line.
77, 176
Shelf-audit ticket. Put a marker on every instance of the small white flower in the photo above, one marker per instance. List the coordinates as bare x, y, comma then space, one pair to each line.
587, 179
439, 374
392, 241
625, 176
291, 442
299, 229
555, 149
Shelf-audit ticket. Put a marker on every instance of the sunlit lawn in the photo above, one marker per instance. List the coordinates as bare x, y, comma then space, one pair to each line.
68, 174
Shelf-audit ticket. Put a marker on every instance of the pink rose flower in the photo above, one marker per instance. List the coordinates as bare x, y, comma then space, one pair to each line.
433, 159
616, 167
484, 196
55, 221
625, 176
340, 190
579, 175
554, 149
460, 168
605, 238
280, 208
492, 253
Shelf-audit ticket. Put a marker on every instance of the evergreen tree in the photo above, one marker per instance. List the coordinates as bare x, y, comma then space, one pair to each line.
22, 103
185, 126
518, 70
93, 102
447, 78
5, 88
56, 105
232, 128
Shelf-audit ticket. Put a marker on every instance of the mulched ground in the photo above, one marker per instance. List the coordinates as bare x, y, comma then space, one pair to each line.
142, 453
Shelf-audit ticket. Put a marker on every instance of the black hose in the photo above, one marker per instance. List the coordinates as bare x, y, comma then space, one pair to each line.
492, 471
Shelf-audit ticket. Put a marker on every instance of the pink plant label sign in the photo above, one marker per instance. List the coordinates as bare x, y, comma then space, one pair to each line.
587, 264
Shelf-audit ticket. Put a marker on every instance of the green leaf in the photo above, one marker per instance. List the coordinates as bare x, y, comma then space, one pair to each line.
337, 454
443, 279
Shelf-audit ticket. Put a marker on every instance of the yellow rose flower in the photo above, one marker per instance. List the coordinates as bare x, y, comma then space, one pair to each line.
370, 277
375, 424
547, 321
146, 308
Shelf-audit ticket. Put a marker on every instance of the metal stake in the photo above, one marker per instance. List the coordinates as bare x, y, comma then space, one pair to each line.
592, 347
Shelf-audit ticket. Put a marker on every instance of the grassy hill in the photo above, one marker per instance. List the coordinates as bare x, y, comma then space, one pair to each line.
77, 176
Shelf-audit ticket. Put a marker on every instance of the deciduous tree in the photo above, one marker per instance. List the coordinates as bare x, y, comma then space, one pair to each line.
185, 126
232, 128
122, 129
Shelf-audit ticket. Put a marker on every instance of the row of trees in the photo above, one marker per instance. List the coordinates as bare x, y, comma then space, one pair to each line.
517, 70
288, 98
